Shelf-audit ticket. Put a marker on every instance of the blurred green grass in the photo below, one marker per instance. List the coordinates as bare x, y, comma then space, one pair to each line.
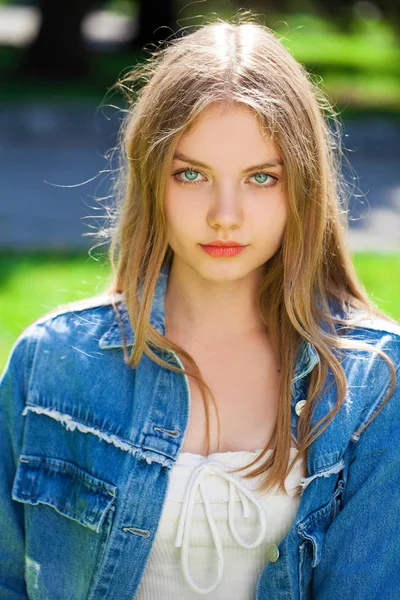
33, 284
359, 68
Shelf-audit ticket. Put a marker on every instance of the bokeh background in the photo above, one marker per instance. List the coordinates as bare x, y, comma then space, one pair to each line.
59, 121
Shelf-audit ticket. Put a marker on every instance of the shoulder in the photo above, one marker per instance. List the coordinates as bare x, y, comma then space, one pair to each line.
368, 342
75, 325
372, 368
378, 331
100, 304
380, 325
381, 333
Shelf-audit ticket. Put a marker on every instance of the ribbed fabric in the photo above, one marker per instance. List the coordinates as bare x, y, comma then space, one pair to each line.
200, 549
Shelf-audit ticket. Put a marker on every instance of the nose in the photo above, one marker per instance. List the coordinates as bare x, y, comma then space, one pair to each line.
225, 211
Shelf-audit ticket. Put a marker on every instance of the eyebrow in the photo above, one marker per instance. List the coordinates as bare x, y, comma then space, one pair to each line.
273, 162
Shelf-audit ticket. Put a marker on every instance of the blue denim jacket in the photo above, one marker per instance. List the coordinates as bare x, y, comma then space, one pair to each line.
87, 444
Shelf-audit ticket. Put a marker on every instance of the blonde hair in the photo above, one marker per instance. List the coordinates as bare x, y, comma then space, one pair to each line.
243, 62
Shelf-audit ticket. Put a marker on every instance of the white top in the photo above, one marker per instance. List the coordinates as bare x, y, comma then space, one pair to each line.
204, 543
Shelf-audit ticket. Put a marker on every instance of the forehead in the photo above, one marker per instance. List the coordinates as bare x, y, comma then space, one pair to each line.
218, 110
229, 116
233, 130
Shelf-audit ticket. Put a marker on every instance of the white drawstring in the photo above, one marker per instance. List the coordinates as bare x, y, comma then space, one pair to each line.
183, 534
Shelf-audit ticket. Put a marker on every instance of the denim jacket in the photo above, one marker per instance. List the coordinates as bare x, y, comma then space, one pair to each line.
87, 444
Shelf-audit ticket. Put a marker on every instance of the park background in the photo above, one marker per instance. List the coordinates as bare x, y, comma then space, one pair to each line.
59, 121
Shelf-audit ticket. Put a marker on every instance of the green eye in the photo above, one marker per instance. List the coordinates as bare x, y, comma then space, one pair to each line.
262, 180
192, 175
257, 177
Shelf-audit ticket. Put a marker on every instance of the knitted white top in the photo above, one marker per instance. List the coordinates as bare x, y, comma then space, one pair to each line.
206, 543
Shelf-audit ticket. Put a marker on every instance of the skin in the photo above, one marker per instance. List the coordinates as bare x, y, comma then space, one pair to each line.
213, 300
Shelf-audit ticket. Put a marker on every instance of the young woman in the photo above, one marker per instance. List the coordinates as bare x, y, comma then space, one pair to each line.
232, 283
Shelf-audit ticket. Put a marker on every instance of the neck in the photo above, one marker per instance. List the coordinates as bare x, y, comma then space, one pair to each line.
211, 311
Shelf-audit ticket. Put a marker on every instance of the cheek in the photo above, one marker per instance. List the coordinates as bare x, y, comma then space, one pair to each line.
172, 211
168, 204
178, 221
282, 216
280, 210
272, 217
182, 213
279, 224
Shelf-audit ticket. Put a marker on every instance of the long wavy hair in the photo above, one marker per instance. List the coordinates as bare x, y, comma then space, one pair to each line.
242, 61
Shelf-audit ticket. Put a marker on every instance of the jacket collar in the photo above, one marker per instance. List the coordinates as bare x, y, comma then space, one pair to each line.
112, 338
307, 356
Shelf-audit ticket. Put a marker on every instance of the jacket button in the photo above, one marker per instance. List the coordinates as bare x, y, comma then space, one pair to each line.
299, 406
273, 553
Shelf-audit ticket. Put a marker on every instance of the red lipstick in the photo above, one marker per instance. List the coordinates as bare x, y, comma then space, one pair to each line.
219, 248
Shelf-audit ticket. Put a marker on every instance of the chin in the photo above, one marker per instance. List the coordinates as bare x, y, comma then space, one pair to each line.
223, 270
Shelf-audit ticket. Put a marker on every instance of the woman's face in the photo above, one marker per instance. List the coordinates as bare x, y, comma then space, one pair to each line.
216, 191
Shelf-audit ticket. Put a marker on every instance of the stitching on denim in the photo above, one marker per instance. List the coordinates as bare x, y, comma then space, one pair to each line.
333, 470
71, 425
174, 433
65, 467
142, 532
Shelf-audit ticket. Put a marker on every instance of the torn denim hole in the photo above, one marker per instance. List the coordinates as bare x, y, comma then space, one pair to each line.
304, 481
32, 572
71, 424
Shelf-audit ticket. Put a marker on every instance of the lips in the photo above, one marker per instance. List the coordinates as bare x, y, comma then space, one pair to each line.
221, 244
223, 251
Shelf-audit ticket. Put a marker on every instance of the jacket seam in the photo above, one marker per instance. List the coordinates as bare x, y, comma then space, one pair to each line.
374, 409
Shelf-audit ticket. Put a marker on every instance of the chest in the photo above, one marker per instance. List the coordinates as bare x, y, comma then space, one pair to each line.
244, 380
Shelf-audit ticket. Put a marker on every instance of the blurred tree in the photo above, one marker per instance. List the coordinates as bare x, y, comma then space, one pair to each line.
340, 12
59, 50
156, 22
343, 12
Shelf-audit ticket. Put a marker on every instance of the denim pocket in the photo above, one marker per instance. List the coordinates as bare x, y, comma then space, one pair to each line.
68, 519
312, 530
